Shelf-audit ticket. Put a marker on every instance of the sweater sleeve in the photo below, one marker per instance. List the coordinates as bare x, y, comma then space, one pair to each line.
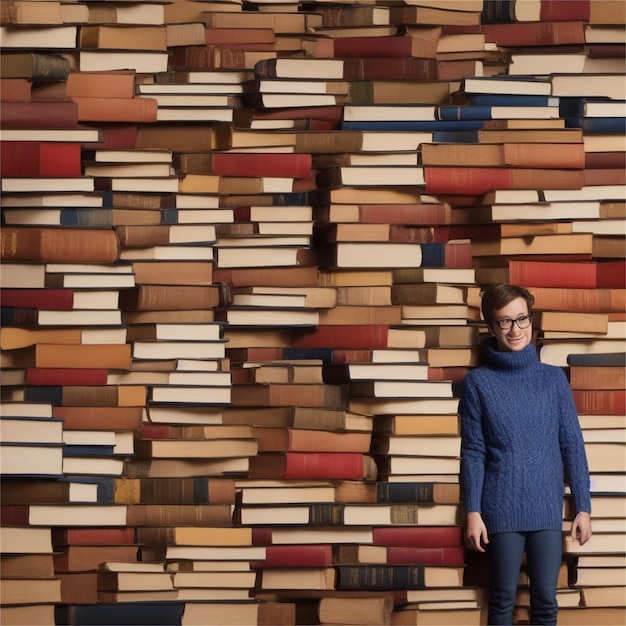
473, 448
573, 447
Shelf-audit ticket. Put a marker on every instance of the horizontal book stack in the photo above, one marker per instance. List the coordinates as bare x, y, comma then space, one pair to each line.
243, 248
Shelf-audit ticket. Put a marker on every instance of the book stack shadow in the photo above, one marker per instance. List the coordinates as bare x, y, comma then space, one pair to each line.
243, 249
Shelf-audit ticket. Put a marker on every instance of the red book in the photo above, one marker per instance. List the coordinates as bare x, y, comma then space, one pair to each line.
259, 164
399, 555
480, 180
611, 274
93, 536
47, 299
390, 68
342, 337
14, 515
454, 373
155, 431
117, 136
559, 11
392, 46
313, 465
521, 34
609, 160
35, 158
604, 176
606, 51
39, 115
458, 253
424, 214
600, 401
296, 556
419, 536
261, 536
552, 274
56, 376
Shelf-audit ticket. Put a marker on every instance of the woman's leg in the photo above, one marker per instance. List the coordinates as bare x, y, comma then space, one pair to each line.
505, 558
543, 556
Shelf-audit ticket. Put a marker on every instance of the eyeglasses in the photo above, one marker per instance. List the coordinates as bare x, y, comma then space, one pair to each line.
523, 321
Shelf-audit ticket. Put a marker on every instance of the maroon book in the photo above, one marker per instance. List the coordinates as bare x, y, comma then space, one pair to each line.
47, 299
24, 159
39, 115
418, 536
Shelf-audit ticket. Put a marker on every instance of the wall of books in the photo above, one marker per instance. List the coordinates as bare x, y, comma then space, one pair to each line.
243, 245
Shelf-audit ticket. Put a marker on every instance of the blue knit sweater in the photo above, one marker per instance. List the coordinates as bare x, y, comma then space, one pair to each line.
520, 431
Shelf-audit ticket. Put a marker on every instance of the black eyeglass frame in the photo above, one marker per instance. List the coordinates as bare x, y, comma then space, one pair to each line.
506, 323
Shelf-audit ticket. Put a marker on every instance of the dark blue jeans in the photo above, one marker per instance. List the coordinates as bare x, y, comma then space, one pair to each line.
543, 559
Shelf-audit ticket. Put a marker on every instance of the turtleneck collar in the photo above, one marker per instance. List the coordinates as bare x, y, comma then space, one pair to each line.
509, 360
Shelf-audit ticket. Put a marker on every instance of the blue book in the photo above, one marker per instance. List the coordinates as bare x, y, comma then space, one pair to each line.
433, 254
508, 100
498, 12
428, 126
120, 613
606, 359
455, 136
51, 395
295, 198
86, 217
87, 450
323, 354
591, 125
169, 216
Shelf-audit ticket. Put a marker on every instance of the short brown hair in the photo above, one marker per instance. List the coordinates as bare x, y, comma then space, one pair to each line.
498, 296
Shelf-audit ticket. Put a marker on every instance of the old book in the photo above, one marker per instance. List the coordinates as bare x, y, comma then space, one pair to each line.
31, 591
83, 356
467, 612
174, 448
301, 440
298, 417
403, 46
336, 610
400, 389
60, 245
478, 181
313, 395
135, 37
435, 14
158, 612
178, 515
34, 65
321, 578
418, 425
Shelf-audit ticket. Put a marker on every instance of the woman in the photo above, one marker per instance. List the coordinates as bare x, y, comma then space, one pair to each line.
520, 430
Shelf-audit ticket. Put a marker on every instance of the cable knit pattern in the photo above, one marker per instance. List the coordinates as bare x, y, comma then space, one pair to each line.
520, 430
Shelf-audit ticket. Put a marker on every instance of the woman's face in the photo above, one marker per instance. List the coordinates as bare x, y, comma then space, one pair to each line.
514, 338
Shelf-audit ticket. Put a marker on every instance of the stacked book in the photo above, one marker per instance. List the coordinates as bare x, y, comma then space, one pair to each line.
243, 248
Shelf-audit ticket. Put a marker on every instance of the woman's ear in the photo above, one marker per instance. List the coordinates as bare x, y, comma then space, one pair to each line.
490, 329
